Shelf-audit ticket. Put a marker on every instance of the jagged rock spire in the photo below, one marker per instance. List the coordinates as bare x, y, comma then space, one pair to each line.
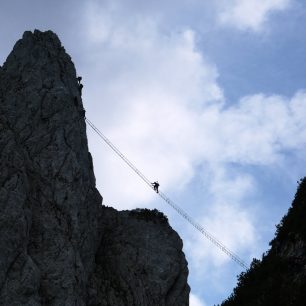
50, 203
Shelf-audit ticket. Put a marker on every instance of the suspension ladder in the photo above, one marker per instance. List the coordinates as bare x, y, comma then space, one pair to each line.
178, 209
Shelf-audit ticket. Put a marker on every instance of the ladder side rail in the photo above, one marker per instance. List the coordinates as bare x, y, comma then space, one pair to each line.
204, 231
120, 154
196, 225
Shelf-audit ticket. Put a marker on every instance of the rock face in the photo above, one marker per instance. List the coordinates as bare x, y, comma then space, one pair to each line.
150, 271
280, 277
59, 245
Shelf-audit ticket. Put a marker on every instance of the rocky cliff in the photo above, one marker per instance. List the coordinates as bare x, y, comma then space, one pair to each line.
279, 278
59, 245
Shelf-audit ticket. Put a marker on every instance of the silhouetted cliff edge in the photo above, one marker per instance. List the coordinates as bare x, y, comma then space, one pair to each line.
279, 279
59, 245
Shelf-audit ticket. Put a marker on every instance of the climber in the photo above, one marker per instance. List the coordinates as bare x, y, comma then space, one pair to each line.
80, 88
155, 186
79, 78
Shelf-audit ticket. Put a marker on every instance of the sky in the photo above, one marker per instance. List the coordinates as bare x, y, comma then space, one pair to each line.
207, 97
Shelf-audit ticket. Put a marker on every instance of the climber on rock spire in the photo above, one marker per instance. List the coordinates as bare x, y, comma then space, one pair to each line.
79, 78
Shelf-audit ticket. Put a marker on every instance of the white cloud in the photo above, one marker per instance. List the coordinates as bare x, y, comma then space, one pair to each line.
249, 14
157, 86
227, 217
157, 97
161, 104
259, 130
255, 131
195, 301
232, 226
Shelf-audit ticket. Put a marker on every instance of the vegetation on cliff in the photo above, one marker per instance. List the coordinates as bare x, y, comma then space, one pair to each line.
279, 278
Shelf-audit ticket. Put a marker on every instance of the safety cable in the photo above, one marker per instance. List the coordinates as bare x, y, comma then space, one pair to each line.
178, 209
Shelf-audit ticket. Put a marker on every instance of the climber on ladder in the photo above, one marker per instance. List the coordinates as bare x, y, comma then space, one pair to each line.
179, 210
155, 186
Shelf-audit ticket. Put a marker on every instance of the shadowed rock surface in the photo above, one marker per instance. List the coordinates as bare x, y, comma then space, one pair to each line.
59, 245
